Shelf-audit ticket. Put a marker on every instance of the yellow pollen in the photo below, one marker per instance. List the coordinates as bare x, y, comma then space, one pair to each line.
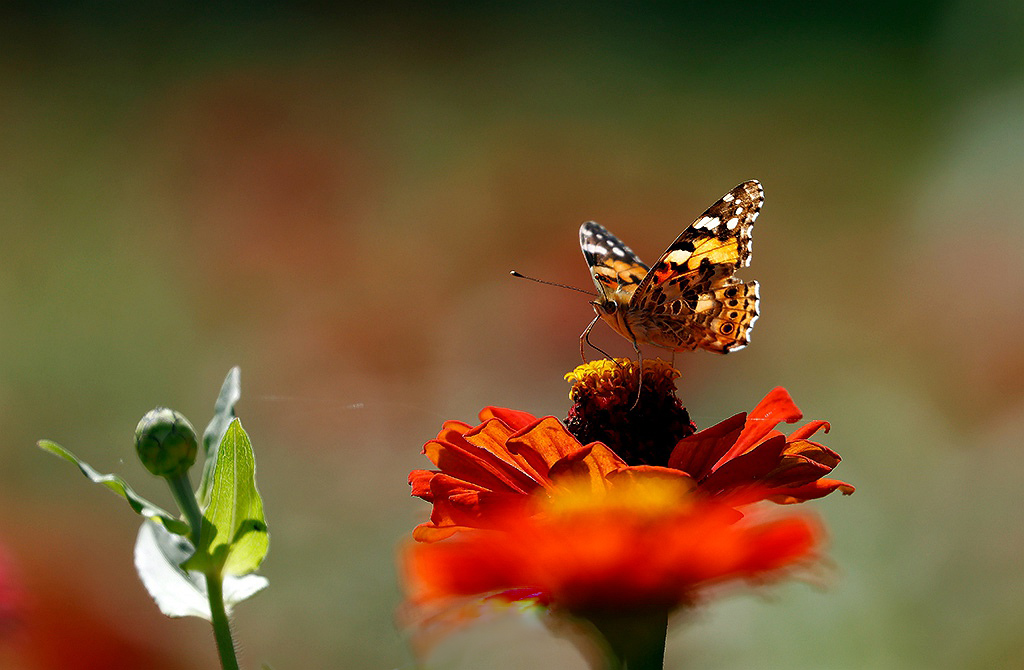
619, 373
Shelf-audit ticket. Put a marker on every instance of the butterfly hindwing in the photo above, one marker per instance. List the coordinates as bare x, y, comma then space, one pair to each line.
720, 321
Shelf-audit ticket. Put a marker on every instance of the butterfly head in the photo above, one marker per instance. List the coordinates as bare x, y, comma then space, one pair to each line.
613, 310
604, 306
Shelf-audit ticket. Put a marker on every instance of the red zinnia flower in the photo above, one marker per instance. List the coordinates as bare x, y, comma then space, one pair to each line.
616, 517
496, 465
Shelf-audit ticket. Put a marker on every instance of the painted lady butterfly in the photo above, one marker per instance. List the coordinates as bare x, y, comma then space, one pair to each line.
690, 298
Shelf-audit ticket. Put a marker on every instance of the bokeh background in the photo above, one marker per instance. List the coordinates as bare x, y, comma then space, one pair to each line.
332, 199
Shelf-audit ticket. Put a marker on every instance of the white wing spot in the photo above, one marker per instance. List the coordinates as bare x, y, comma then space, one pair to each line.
596, 249
617, 251
705, 303
732, 223
739, 210
728, 197
708, 222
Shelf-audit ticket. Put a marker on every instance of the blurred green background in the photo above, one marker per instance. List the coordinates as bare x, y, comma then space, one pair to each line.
332, 199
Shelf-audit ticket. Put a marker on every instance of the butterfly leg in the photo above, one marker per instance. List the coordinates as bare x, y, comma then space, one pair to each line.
585, 337
640, 373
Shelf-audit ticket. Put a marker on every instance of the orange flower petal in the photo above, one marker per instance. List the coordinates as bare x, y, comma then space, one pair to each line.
747, 450
542, 444
478, 455
594, 463
697, 454
491, 467
775, 408
513, 418
811, 491
748, 468
810, 428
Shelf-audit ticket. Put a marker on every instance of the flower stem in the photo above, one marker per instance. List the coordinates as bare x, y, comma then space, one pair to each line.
181, 489
632, 640
221, 625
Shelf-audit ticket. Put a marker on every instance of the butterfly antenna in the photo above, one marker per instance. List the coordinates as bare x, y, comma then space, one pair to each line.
551, 283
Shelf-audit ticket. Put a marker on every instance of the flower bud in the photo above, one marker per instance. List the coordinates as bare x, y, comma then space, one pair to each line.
166, 442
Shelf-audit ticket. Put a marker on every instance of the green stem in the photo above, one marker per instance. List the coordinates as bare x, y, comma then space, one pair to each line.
181, 489
221, 626
632, 640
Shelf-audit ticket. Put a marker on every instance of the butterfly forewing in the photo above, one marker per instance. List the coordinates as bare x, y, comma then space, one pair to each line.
715, 245
614, 267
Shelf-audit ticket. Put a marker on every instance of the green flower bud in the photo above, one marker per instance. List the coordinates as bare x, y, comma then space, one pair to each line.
166, 442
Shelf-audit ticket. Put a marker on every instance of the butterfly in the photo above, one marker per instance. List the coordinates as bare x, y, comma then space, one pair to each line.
689, 299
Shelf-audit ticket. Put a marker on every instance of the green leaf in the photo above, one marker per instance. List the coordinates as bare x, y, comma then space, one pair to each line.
233, 539
121, 488
179, 592
223, 413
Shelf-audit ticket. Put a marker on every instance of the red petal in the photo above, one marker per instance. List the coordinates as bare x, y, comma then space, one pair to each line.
696, 454
813, 450
593, 462
747, 468
480, 456
795, 470
647, 472
428, 532
776, 407
513, 418
782, 542
454, 501
817, 489
542, 444
806, 431
419, 480
457, 504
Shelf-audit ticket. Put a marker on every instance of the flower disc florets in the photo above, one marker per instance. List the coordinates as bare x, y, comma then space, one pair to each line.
642, 431
166, 442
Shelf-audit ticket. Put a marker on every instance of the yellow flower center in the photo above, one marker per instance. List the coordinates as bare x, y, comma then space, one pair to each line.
643, 496
620, 374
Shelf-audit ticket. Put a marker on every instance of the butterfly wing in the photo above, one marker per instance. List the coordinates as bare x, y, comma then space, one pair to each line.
690, 299
615, 269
